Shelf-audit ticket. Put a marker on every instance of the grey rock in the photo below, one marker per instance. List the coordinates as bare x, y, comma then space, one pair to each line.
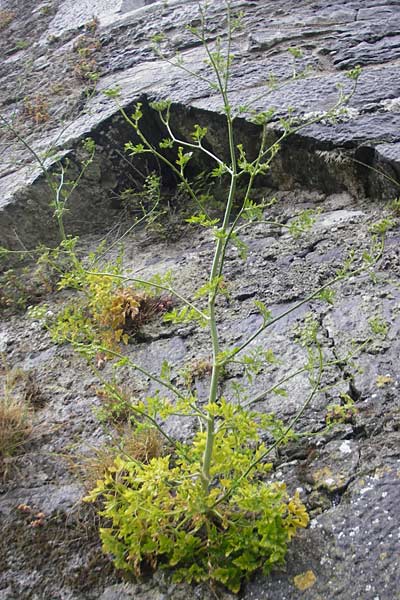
348, 475
332, 38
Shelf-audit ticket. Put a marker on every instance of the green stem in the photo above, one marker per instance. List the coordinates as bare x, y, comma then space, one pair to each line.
112, 390
302, 302
330, 363
60, 206
197, 146
234, 227
217, 267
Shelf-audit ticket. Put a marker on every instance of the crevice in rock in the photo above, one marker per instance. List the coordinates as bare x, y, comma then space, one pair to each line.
352, 391
26, 214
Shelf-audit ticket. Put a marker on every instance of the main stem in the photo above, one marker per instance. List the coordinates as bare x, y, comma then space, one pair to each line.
216, 270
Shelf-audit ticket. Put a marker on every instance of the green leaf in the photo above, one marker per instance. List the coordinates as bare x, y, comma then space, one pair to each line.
303, 222
355, 73
240, 245
263, 310
199, 133
183, 158
262, 118
113, 92
166, 143
161, 105
219, 171
382, 226
295, 52
378, 326
203, 220
138, 114
165, 372
134, 149
327, 295
157, 38
280, 391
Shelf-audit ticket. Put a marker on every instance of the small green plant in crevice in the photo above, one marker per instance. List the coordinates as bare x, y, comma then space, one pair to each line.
105, 312
22, 44
150, 206
25, 286
16, 293
343, 412
86, 66
382, 226
379, 326
46, 10
163, 212
116, 403
394, 206
61, 185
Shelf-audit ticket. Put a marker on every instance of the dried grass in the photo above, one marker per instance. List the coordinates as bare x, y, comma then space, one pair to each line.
16, 411
15, 425
139, 446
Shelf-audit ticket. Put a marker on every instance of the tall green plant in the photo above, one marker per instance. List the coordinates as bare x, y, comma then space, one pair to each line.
206, 509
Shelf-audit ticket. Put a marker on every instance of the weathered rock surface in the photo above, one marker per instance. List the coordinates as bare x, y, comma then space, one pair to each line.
349, 476
53, 104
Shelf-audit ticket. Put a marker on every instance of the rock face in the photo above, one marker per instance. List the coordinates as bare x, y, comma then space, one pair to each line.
51, 90
349, 475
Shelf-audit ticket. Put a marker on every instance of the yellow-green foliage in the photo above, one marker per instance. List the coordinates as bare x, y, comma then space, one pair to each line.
343, 412
158, 513
137, 445
104, 313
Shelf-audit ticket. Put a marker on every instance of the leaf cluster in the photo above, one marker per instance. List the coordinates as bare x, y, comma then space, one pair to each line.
159, 514
105, 313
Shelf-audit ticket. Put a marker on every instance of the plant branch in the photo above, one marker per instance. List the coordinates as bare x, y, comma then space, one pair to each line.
161, 157
308, 298
137, 367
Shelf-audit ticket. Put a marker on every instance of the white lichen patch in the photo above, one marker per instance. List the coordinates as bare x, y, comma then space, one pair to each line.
345, 448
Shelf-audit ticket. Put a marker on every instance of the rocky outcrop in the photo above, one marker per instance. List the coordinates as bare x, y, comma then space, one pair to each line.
52, 90
349, 475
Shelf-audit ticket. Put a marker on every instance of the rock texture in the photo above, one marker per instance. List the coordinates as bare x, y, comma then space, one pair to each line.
54, 53
349, 476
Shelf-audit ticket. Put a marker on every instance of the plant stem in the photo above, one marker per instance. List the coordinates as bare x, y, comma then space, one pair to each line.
162, 158
137, 367
216, 269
